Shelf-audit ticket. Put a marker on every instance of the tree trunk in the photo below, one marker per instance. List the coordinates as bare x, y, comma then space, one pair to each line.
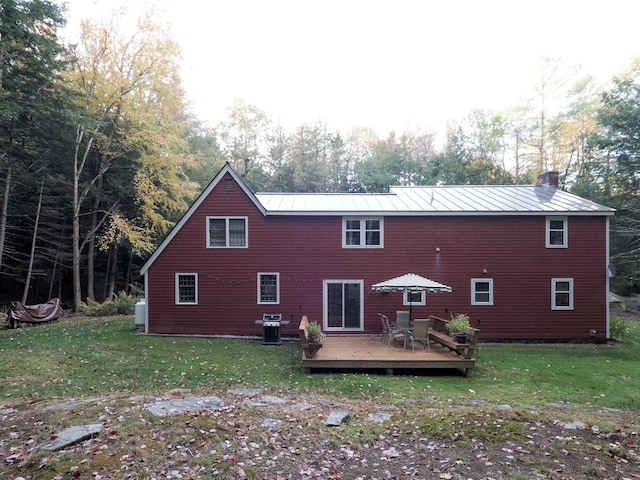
77, 286
55, 265
111, 281
5, 210
34, 239
91, 247
129, 276
78, 166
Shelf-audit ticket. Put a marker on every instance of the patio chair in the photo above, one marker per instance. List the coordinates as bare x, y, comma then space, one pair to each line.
419, 333
393, 333
402, 319
385, 328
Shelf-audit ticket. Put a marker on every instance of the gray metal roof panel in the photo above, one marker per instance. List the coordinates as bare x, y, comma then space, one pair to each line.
435, 200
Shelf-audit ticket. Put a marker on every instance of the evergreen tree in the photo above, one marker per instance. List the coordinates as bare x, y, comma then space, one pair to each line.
31, 113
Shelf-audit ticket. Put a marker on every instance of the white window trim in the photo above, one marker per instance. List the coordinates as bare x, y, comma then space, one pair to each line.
277, 275
474, 281
565, 232
422, 302
554, 281
363, 232
177, 287
246, 231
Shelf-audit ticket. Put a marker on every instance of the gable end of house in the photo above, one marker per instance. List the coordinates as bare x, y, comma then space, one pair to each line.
229, 181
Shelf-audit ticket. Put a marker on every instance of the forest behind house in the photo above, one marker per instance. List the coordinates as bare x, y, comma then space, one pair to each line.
100, 155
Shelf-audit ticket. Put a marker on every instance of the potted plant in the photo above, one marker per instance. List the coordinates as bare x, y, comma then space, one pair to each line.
458, 326
314, 332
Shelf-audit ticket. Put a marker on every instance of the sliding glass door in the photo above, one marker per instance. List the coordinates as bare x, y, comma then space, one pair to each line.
343, 306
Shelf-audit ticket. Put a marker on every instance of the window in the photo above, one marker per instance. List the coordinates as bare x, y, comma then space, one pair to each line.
186, 288
362, 232
556, 232
268, 288
482, 291
226, 232
562, 294
414, 298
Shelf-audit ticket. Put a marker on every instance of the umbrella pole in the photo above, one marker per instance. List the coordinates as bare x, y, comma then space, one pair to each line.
410, 306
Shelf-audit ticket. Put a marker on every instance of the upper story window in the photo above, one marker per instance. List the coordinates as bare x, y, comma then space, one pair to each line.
482, 291
227, 232
562, 294
362, 233
186, 288
268, 288
417, 297
556, 232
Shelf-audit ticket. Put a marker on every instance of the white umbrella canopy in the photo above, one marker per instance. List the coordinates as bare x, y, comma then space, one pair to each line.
411, 282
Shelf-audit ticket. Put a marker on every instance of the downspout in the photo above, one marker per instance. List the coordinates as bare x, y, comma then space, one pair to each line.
609, 274
146, 308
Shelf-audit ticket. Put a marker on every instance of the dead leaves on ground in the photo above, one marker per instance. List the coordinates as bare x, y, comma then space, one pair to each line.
233, 444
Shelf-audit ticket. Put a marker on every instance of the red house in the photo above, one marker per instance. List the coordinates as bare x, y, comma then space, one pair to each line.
524, 262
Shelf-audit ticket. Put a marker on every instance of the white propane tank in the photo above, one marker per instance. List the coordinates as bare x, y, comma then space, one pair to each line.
141, 308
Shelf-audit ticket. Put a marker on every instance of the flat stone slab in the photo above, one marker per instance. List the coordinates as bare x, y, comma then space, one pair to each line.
379, 417
271, 423
336, 418
273, 400
176, 406
70, 404
266, 400
245, 392
576, 425
71, 436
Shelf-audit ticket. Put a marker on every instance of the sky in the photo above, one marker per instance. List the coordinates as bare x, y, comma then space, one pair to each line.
384, 64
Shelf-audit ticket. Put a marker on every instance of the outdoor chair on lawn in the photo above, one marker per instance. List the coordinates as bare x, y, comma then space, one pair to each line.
419, 333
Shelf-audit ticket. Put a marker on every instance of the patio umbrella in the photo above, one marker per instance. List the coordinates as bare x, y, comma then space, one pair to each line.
411, 282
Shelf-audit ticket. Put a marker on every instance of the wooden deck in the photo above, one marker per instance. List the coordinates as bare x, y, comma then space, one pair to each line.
363, 352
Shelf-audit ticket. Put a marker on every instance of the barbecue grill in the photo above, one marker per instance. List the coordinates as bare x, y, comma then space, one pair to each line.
271, 328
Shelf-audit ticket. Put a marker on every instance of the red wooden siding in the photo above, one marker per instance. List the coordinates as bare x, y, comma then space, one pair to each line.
307, 250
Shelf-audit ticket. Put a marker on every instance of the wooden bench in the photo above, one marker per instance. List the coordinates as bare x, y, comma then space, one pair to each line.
309, 349
438, 333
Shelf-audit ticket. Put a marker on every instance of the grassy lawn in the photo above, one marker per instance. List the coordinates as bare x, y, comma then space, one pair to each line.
79, 357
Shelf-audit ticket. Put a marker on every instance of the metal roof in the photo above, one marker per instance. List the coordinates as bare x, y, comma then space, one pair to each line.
436, 200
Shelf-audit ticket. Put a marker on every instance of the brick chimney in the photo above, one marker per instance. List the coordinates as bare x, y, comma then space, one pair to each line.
548, 179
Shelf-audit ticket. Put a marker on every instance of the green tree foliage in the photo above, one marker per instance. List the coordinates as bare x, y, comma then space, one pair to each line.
386, 167
612, 175
244, 135
519, 137
32, 103
133, 118
308, 159
550, 87
207, 154
575, 126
